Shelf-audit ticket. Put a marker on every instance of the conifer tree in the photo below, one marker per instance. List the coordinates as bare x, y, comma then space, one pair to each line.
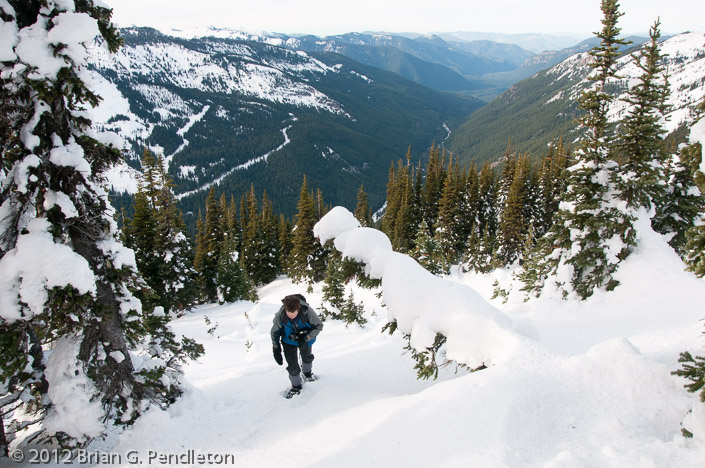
244, 208
506, 178
392, 203
233, 224
140, 234
223, 213
352, 312
480, 252
640, 180
53, 206
232, 282
285, 239
470, 203
334, 287
427, 251
512, 230
530, 210
269, 242
402, 212
486, 212
157, 234
448, 230
677, 214
208, 252
551, 187
362, 210
433, 185
304, 245
199, 256
695, 236
401, 240
319, 257
250, 233
591, 235
177, 287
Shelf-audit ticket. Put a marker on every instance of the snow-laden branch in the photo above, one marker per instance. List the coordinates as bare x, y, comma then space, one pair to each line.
421, 303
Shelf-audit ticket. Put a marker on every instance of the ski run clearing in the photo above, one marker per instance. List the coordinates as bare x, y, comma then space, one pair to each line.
588, 385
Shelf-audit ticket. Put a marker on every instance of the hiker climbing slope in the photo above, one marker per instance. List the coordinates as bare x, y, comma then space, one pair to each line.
296, 326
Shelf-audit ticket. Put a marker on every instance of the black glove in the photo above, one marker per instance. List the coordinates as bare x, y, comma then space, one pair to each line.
303, 343
298, 335
301, 336
278, 355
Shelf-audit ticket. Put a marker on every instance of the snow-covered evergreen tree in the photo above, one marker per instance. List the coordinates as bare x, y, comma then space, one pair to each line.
157, 234
550, 187
678, 212
334, 282
65, 278
487, 202
352, 312
640, 180
260, 239
695, 236
232, 282
592, 234
427, 251
480, 252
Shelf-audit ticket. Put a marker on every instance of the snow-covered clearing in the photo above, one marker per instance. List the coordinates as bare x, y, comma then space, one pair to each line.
591, 386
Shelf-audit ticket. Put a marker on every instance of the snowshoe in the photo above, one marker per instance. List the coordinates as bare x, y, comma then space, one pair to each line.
309, 377
292, 391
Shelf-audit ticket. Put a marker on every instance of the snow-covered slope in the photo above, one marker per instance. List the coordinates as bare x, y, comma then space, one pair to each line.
684, 60
591, 388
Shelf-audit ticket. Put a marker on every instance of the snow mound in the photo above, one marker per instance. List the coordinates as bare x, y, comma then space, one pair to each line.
422, 304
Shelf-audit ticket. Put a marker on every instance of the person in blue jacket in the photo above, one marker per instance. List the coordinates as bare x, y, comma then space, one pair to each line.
296, 326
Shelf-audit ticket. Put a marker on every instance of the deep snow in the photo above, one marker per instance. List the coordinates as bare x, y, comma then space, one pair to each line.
590, 386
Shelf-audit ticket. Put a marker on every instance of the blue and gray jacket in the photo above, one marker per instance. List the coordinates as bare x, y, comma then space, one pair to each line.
283, 327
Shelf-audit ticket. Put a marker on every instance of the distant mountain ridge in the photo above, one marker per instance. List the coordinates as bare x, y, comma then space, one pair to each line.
534, 42
232, 113
430, 60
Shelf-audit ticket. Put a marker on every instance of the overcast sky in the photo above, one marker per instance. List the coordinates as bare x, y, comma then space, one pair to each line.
328, 17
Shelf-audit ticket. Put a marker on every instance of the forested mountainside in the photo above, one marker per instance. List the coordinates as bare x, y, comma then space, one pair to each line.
544, 107
240, 113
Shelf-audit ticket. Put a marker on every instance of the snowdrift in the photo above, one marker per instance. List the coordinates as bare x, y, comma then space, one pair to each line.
421, 303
